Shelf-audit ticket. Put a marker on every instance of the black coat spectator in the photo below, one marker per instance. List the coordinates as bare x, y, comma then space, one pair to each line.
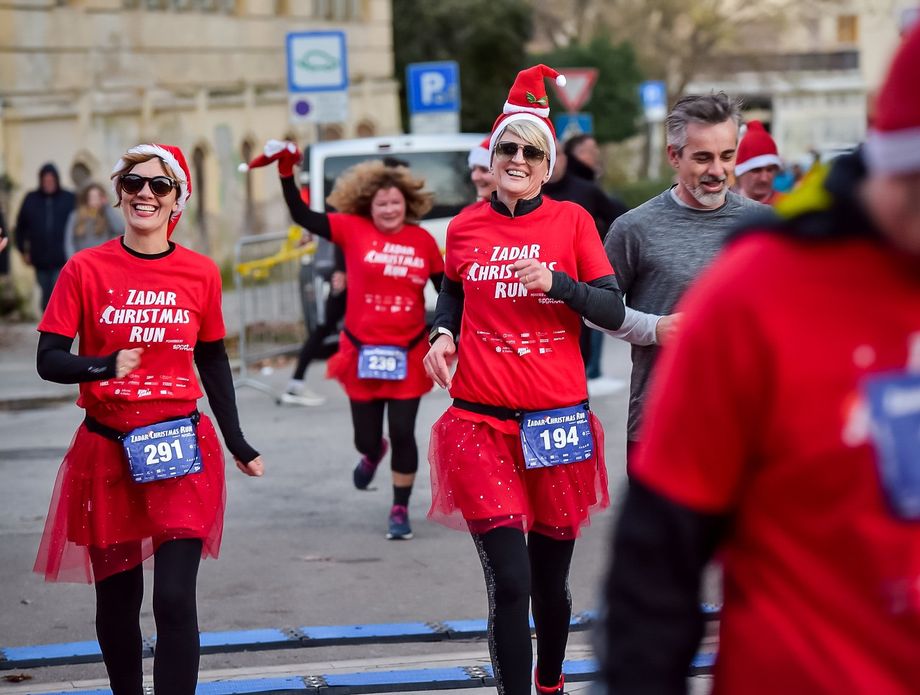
40, 228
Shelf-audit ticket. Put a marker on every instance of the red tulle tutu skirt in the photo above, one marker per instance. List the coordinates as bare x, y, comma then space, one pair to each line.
343, 366
97, 507
478, 481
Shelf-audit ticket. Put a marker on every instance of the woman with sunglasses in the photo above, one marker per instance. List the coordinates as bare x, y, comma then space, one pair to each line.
518, 459
144, 476
388, 260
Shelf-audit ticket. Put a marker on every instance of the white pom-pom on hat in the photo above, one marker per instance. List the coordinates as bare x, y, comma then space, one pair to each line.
528, 100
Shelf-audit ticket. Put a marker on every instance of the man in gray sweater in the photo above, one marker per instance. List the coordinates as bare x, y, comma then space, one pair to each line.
660, 247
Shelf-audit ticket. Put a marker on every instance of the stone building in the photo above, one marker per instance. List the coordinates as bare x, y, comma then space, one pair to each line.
813, 80
82, 80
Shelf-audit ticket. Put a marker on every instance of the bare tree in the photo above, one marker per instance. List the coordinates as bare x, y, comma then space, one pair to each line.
676, 40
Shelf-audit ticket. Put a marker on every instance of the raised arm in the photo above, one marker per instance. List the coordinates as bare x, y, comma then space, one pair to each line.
314, 222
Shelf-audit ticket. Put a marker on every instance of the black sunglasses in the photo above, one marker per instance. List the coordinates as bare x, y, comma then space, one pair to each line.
532, 155
160, 186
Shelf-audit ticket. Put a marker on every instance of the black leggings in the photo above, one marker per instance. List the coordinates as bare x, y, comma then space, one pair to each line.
118, 606
515, 572
335, 310
367, 418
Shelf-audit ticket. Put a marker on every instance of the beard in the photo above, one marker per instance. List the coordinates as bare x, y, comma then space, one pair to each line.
707, 198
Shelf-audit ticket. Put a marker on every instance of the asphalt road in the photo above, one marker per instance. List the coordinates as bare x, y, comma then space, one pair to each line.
301, 545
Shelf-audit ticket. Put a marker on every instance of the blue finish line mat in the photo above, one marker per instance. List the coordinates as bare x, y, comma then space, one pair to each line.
449, 678
282, 638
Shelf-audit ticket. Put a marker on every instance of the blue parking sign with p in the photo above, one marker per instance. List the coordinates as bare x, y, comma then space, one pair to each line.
433, 87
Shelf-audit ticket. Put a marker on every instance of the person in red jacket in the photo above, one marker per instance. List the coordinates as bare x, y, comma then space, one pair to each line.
782, 434
389, 259
518, 459
144, 475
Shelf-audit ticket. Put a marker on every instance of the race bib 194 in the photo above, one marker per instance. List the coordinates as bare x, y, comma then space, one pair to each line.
382, 362
894, 407
163, 450
554, 437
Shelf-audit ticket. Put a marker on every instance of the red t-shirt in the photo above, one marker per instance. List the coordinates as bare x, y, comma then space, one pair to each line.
520, 350
756, 412
115, 300
387, 274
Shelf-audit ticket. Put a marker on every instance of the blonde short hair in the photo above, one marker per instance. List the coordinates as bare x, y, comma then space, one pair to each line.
528, 132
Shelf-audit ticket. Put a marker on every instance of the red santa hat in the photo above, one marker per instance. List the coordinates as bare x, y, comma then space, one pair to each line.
528, 101
270, 153
893, 142
480, 155
756, 149
171, 156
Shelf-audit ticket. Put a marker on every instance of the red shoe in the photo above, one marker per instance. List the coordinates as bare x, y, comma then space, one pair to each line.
551, 690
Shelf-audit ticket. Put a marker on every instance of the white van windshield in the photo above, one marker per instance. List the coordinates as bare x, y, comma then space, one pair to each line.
446, 174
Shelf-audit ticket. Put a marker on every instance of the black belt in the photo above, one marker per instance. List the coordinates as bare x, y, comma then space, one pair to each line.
96, 427
496, 411
415, 341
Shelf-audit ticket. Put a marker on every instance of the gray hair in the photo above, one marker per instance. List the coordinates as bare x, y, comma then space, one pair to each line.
708, 109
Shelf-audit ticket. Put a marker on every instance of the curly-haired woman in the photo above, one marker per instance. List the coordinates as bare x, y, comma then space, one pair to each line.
389, 259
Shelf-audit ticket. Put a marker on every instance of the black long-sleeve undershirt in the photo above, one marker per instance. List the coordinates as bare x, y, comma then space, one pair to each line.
653, 624
449, 309
314, 222
217, 379
600, 301
57, 363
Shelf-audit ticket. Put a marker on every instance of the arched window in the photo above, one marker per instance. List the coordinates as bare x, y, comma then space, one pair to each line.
331, 131
80, 174
200, 183
366, 129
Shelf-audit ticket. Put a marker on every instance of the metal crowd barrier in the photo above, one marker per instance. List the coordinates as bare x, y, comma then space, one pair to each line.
271, 294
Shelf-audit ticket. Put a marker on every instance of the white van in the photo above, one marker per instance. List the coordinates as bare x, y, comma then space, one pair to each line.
441, 160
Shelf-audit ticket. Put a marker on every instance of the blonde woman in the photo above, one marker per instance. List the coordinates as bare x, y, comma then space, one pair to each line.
518, 459
144, 476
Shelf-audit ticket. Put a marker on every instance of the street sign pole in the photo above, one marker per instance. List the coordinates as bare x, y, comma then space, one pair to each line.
653, 95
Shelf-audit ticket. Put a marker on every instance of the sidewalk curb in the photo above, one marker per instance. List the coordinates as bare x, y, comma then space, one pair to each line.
35, 402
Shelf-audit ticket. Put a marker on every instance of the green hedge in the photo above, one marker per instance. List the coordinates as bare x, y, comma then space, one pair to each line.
637, 192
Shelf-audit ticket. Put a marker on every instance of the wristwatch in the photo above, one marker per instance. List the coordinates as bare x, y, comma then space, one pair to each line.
437, 332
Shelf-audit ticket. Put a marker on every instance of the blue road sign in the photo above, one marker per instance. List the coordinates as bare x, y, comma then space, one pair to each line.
317, 61
433, 87
569, 124
654, 96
